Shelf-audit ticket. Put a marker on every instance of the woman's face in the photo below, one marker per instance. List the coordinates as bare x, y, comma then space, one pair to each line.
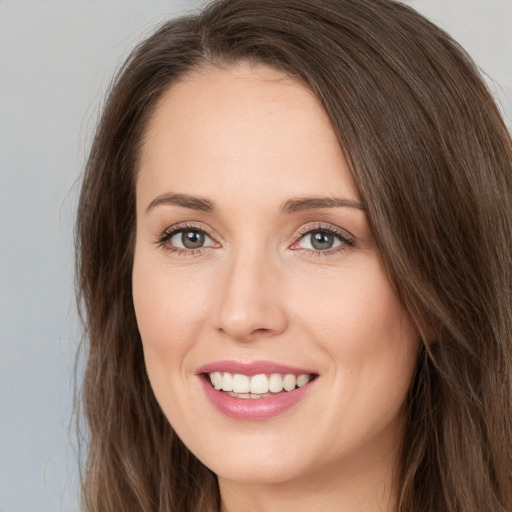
255, 267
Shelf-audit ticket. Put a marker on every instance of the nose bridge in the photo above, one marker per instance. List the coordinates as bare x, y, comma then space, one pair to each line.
250, 303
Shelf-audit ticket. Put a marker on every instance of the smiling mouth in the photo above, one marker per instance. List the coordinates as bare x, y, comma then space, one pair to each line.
261, 385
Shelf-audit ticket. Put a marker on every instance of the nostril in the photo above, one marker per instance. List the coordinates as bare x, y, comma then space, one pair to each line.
261, 330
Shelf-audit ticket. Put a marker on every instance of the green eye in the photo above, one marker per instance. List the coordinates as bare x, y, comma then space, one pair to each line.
188, 239
192, 239
321, 240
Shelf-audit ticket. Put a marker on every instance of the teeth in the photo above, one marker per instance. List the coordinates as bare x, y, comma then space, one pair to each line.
259, 384
255, 386
227, 382
289, 382
240, 383
275, 383
216, 379
302, 380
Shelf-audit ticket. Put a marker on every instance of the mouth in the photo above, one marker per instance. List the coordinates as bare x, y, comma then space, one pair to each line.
256, 391
261, 385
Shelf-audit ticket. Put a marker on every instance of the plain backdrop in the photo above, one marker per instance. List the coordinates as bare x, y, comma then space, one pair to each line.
56, 60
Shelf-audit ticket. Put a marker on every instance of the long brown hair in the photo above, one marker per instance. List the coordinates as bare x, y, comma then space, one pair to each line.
432, 160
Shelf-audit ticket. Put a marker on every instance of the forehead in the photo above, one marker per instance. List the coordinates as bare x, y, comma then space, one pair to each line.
239, 124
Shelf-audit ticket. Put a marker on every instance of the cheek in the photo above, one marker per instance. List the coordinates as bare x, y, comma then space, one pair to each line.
361, 325
357, 307
168, 309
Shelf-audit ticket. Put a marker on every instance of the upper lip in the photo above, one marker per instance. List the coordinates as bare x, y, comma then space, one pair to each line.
252, 368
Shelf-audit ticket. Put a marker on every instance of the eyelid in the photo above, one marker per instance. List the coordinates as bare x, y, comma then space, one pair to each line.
168, 233
344, 236
346, 239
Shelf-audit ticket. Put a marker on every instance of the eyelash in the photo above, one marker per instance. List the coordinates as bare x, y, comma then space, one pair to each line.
346, 240
167, 235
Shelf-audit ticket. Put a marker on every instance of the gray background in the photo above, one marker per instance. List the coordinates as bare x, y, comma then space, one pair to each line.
56, 60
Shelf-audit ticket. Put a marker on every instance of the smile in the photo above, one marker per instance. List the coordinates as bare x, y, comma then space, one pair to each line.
229, 387
257, 386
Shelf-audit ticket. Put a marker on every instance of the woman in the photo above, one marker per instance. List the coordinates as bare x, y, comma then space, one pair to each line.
294, 262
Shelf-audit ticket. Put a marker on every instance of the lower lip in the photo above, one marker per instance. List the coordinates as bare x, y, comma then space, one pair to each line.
253, 409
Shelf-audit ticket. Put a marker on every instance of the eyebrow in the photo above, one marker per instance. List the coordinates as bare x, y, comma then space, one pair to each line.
288, 207
185, 200
315, 203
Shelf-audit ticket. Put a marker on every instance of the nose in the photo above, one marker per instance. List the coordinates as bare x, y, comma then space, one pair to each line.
251, 305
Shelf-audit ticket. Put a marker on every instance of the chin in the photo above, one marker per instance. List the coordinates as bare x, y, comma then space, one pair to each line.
257, 471
253, 459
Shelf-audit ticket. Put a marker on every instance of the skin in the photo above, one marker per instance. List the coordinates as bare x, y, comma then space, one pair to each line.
248, 139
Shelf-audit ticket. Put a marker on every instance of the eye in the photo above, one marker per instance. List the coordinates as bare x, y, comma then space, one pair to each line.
320, 240
189, 239
323, 239
186, 238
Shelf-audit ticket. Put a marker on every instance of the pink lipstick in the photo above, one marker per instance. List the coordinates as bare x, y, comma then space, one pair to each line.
254, 391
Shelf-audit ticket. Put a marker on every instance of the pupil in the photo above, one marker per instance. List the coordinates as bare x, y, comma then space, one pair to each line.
192, 239
322, 241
